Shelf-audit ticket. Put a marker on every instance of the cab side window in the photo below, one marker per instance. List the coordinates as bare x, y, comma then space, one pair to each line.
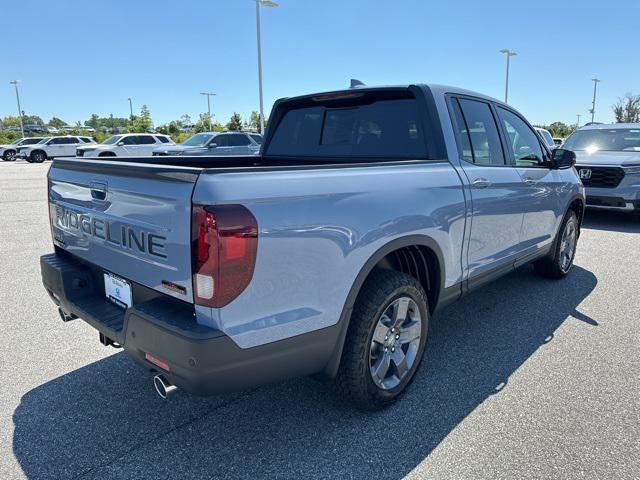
482, 133
524, 144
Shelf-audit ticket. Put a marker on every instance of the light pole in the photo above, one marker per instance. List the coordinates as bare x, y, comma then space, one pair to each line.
270, 4
578, 123
209, 95
130, 107
593, 104
15, 84
509, 54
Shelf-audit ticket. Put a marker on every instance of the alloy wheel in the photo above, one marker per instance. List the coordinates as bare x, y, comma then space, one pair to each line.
568, 244
395, 343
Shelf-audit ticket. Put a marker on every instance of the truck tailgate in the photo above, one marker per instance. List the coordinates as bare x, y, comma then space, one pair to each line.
130, 219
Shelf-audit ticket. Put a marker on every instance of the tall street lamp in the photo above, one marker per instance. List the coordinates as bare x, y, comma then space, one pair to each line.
209, 95
509, 54
15, 84
130, 107
578, 123
593, 104
269, 4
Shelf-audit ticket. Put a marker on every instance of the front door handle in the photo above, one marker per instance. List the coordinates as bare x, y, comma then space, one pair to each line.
529, 181
481, 183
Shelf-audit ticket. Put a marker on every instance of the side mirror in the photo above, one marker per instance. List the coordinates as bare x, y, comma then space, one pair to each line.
562, 158
120, 144
213, 145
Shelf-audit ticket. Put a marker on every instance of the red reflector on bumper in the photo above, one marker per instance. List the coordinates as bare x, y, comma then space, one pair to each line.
157, 362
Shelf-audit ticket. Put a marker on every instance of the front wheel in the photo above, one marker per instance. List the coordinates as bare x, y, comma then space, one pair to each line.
386, 340
9, 156
560, 259
38, 156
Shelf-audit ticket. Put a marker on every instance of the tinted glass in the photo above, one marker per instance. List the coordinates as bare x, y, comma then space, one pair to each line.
388, 129
130, 140
198, 140
257, 139
112, 140
146, 140
238, 140
523, 142
163, 139
462, 135
31, 141
86, 139
221, 140
609, 140
483, 132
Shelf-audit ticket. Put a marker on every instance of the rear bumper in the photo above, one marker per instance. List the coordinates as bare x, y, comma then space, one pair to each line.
201, 360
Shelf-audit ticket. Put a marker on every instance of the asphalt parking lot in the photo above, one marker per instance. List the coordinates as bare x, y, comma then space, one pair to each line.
526, 378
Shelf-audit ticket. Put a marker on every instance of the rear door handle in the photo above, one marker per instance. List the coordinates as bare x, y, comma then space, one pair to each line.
481, 183
529, 181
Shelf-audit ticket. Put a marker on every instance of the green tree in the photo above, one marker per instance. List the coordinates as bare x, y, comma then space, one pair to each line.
57, 122
204, 123
94, 121
11, 121
32, 120
558, 129
627, 109
185, 119
140, 123
235, 122
254, 121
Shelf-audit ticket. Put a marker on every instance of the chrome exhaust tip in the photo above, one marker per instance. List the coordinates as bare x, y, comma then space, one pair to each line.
163, 387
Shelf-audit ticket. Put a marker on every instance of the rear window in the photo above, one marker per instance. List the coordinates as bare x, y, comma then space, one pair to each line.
368, 127
257, 138
163, 139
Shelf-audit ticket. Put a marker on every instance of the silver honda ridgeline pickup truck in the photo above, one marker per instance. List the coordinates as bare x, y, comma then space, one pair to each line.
366, 212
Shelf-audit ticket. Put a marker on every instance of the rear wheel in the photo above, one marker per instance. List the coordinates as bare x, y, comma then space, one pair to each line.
38, 156
107, 154
9, 155
386, 340
560, 260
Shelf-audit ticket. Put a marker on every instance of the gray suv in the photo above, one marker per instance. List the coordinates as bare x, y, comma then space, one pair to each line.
215, 143
608, 163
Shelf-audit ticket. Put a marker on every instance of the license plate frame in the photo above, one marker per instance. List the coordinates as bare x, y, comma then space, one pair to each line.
117, 290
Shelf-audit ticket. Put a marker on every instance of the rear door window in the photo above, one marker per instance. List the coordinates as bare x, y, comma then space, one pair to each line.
482, 131
221, 140
385, 128
238, 141
146, 140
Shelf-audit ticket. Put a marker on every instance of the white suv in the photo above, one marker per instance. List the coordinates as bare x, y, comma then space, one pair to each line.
52, 147
8, 152
129, 145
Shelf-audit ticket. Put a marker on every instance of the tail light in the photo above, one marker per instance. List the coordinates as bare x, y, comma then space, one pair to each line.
224, 243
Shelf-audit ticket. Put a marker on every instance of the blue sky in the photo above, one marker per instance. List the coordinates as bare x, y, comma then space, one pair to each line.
76, 58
